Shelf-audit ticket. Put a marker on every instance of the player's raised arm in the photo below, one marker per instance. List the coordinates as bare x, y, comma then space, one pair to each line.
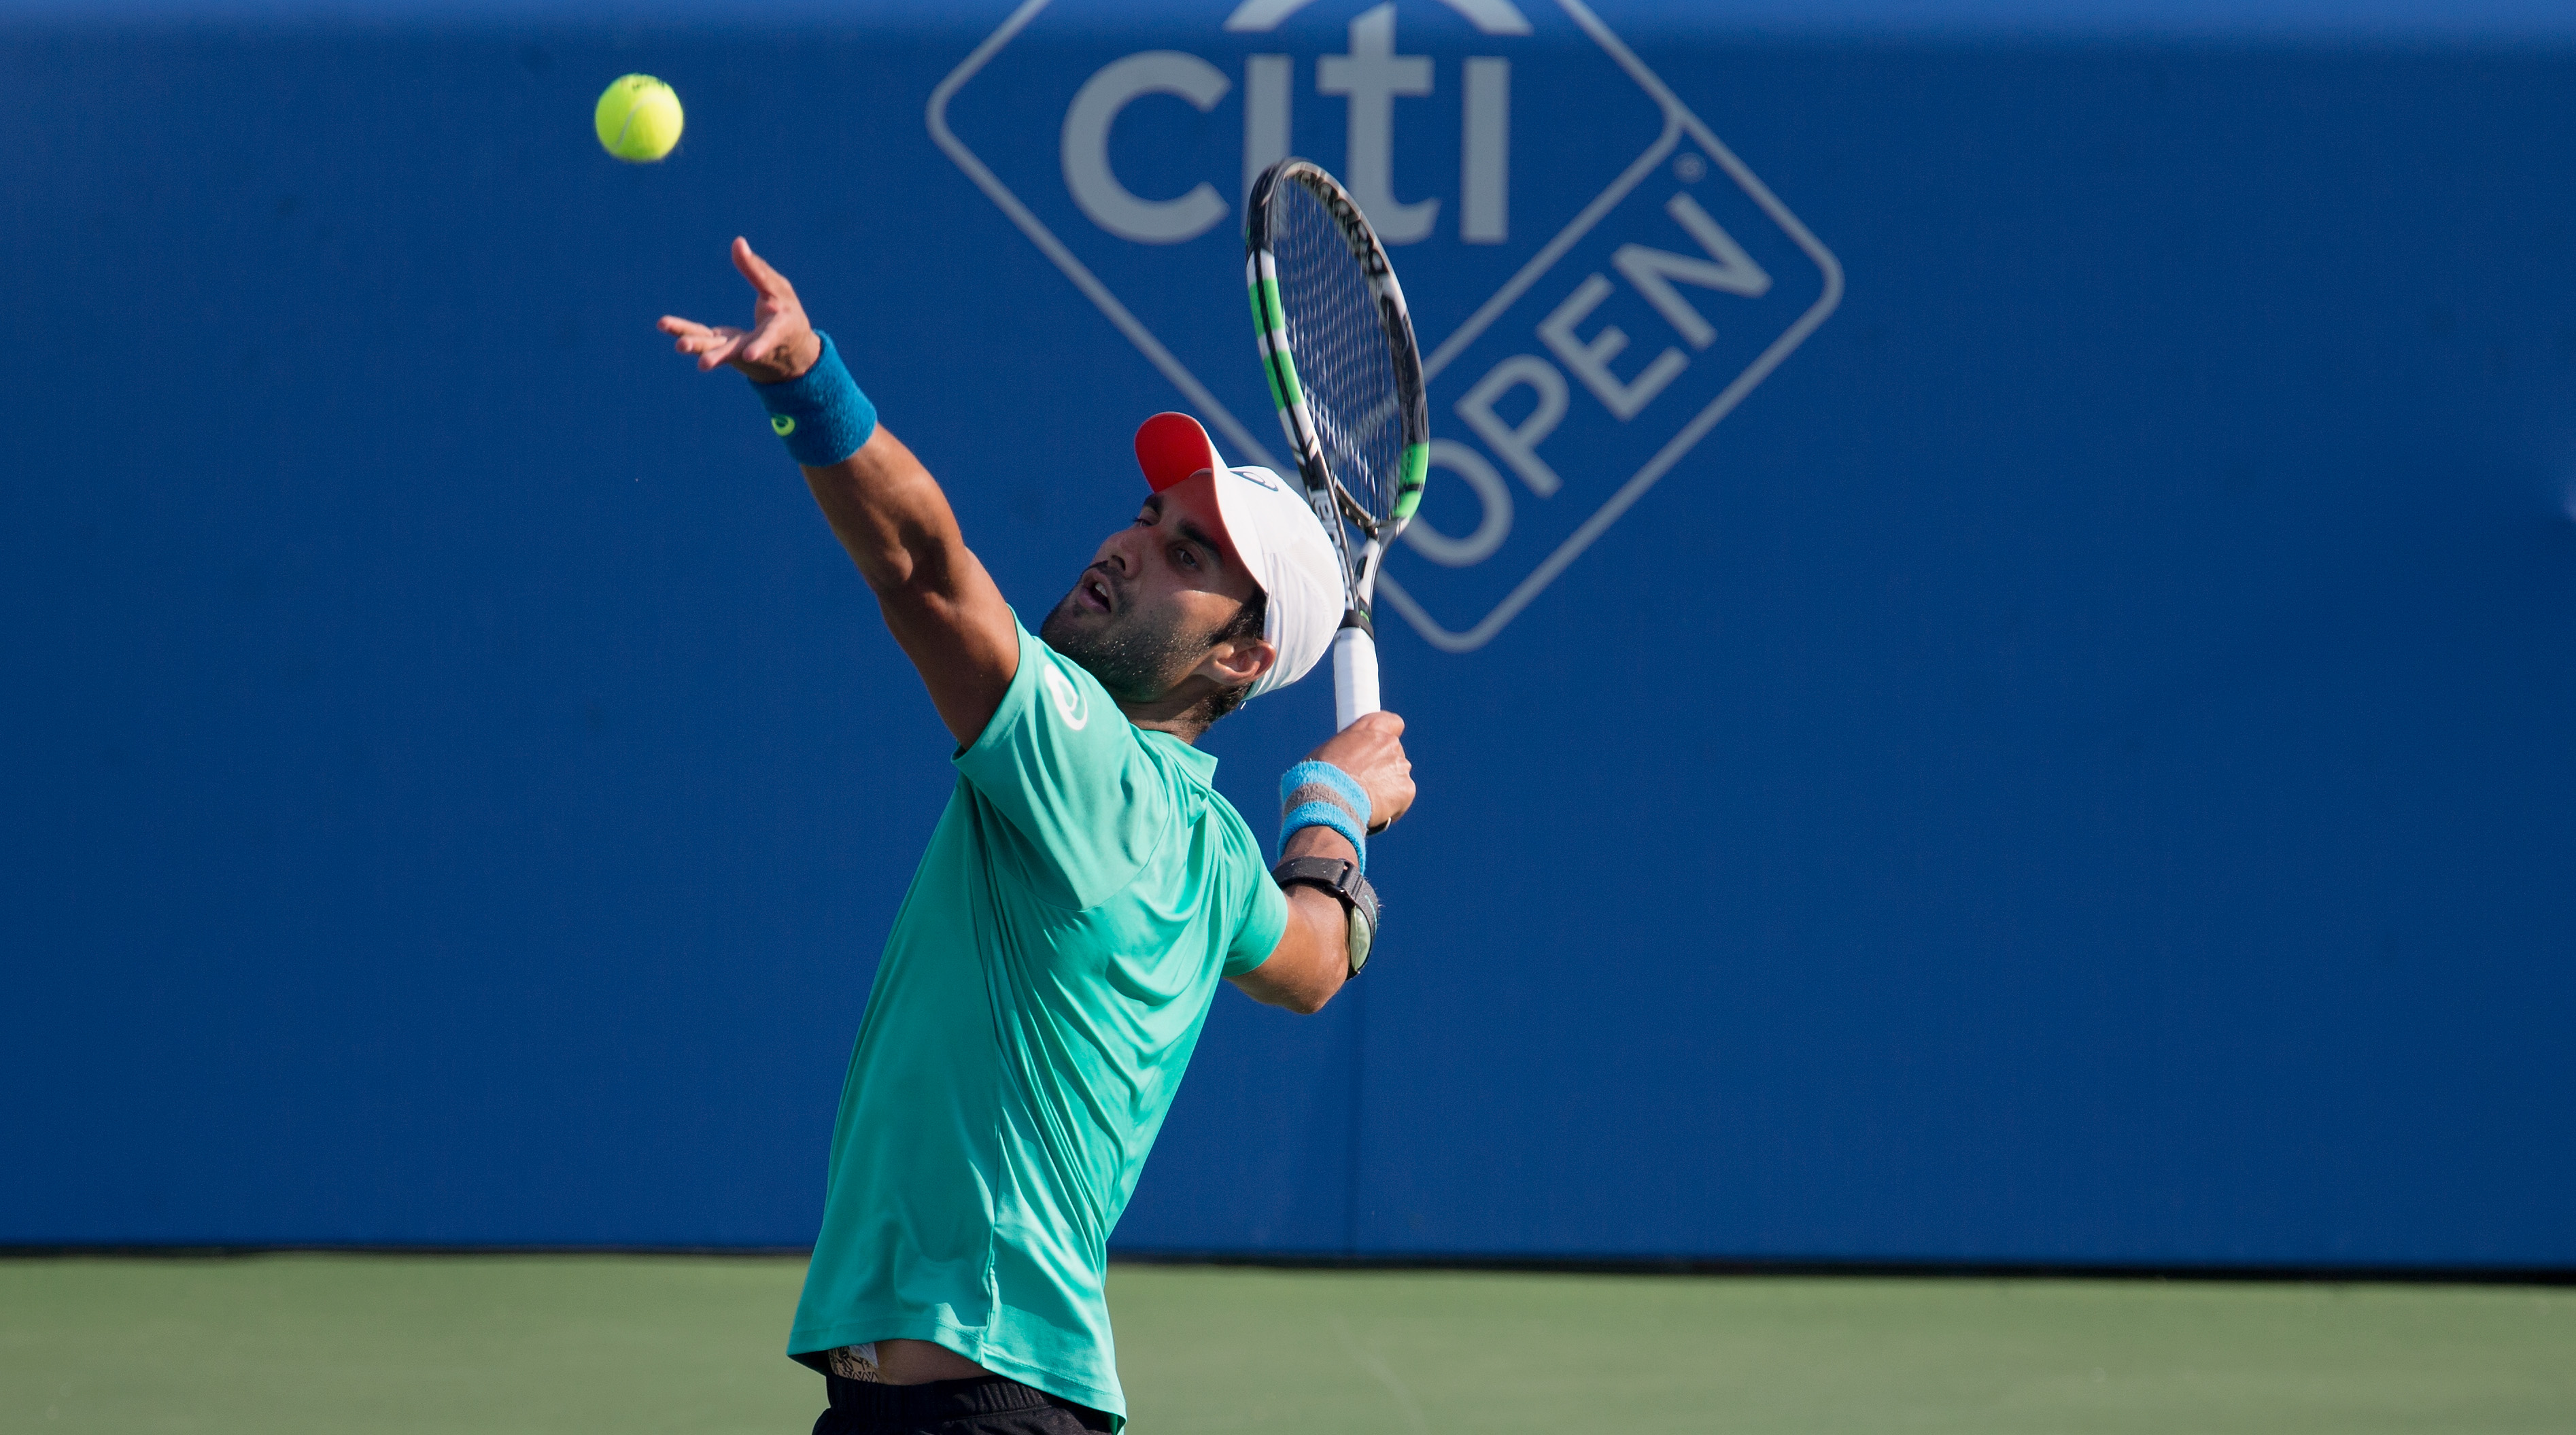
886, 508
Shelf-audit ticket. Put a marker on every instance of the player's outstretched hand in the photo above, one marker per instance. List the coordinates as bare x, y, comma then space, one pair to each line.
779, 345
1370, 750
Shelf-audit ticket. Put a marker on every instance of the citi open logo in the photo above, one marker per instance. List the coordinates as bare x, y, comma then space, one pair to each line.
1597, 281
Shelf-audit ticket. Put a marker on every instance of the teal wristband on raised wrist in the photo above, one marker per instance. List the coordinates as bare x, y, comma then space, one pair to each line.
820, 413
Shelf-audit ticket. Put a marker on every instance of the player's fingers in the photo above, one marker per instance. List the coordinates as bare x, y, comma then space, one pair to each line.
768, 281
1388, 805
722, 350
1377, 729
769, 341
703, 339
1369, 744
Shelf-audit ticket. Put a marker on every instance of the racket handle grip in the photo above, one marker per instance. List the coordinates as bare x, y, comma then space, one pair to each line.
1354, 675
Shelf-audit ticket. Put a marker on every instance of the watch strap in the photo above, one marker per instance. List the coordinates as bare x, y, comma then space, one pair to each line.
1343, 878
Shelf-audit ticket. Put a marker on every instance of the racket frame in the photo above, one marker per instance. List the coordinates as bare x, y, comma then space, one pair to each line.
1355, 686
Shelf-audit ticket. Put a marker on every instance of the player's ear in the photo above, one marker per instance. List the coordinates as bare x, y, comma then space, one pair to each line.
1238, 662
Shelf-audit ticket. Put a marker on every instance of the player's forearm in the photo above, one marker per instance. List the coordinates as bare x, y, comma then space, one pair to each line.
1313, 957
938, 601
882, 504
891, 515
1311, 961
1320, 842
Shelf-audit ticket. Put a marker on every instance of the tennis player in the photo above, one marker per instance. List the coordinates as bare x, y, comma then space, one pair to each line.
1086, 887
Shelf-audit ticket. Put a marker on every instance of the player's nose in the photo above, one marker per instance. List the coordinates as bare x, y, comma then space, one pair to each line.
1120, 552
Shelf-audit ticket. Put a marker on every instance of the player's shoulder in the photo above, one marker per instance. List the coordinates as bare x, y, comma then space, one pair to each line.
1093, 732
1190, 775
1184, 769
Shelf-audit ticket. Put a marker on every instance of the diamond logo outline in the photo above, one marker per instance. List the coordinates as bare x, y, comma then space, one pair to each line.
1678, 122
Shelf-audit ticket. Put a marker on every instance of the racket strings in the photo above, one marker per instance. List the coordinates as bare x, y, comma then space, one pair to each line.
1338, 338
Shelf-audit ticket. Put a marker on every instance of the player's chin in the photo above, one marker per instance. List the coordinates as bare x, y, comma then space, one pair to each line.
1070, 616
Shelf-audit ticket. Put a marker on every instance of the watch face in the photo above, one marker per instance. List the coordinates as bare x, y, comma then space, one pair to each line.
1363, 937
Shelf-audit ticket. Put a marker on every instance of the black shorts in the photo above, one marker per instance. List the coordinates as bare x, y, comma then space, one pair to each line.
986, 1405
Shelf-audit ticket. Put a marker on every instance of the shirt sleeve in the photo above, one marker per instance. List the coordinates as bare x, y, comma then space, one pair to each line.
1264, 918
1063, 767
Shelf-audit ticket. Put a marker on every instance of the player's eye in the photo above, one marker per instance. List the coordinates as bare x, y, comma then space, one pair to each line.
1182, 555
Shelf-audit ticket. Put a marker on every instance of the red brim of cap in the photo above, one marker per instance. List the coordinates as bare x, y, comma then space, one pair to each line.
1171, 447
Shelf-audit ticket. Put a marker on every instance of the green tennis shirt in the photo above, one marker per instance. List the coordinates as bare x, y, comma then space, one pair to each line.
1037, 1003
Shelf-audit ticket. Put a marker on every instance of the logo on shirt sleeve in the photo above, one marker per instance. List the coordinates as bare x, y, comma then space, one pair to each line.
1071, 703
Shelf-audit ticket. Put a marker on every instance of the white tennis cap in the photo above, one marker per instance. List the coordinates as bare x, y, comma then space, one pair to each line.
1270, 525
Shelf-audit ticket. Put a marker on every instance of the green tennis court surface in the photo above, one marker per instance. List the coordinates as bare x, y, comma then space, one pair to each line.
288, 1344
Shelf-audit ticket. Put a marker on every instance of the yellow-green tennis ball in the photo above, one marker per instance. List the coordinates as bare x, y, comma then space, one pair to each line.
638, 119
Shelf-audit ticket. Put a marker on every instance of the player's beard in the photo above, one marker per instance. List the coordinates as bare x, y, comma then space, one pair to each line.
1138, 657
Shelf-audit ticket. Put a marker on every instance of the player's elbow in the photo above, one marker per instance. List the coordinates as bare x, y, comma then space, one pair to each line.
1292, 985
1311, 1000
1321, 982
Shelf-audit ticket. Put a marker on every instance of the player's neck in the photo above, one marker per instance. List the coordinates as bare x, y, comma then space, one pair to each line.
1184, 712
1186, 725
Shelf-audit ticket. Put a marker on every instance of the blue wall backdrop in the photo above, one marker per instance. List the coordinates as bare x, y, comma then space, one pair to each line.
2050, 737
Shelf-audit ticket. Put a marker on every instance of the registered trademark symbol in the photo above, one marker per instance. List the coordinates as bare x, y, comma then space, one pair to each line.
1689, 167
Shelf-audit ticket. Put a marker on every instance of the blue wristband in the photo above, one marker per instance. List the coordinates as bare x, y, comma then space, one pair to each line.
1318, 794
821, 412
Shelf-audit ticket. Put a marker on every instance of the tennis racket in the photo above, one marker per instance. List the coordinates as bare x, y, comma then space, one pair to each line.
1338, 347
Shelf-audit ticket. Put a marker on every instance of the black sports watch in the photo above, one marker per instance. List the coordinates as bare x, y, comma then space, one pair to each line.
1341, 877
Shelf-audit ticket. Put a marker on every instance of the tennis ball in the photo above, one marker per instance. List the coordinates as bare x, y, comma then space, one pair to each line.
638, 119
